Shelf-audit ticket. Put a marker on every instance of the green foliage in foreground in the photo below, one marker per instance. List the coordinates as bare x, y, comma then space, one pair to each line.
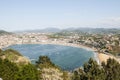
45, 62
27, 72
93, 71
10, 71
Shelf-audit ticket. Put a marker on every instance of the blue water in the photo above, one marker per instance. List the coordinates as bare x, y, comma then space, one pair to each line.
68, 58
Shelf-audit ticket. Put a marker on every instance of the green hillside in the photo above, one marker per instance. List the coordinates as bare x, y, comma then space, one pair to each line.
13, 56
44, 69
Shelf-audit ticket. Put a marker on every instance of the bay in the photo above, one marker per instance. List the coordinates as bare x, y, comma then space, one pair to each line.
67, 57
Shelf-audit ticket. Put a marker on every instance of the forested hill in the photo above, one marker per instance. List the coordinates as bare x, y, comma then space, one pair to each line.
2, 32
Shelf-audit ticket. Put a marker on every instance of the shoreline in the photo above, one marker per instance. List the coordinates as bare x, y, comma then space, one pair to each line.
95, 52
98, 56
104, 57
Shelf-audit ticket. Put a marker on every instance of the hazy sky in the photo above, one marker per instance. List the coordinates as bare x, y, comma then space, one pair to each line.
38, 14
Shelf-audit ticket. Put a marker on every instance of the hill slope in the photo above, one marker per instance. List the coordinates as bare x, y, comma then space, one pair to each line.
13, 56
2, 32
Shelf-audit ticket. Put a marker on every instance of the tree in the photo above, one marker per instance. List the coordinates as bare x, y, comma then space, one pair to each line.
111, 69
27, 72
76, 75
8, 70
44, 61
91, 71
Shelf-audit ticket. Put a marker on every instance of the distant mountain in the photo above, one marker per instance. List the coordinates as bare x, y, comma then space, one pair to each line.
2, 32
72, 29
46, 30
69, 29
94, 30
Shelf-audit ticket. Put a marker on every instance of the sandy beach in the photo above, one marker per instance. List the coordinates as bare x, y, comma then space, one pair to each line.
104, 57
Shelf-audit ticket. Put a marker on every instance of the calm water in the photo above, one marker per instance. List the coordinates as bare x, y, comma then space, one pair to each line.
66, 57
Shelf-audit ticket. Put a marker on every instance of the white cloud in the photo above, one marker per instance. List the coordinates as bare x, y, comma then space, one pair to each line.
112, 22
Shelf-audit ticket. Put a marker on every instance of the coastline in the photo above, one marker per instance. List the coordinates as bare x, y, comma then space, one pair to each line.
96, 54
99, 57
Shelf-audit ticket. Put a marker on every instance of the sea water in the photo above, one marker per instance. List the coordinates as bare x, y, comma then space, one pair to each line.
67, 57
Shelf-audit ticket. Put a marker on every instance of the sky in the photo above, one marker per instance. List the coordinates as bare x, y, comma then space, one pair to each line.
38, 14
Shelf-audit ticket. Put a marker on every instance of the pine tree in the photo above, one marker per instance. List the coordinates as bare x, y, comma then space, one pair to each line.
111, 69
